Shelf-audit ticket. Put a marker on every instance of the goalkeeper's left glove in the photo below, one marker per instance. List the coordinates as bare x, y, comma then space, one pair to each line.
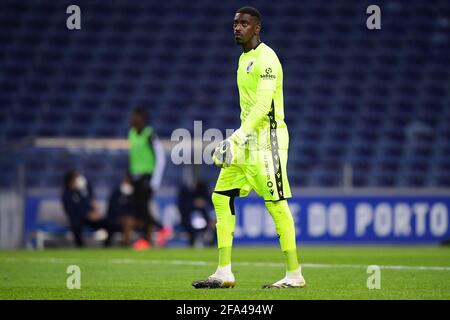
227, 150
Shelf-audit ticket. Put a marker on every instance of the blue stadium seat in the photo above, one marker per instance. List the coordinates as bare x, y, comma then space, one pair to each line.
377, 101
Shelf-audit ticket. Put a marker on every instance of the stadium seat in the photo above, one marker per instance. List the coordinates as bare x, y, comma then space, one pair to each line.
375, 101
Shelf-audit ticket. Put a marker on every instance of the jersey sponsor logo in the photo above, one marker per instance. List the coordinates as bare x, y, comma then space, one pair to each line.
268, 75
250, 67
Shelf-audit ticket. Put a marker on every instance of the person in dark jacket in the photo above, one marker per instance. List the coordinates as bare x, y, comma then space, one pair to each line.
194, 204
80, 208
121, 210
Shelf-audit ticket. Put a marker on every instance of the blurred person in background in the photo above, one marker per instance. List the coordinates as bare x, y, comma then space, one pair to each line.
121, 211
194, 204
146, 167
80, 207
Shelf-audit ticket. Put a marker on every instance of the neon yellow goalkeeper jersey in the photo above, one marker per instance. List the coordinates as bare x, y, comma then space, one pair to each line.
260, 75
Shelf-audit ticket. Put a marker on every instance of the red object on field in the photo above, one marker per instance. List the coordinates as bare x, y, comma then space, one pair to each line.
163, 236
141, 244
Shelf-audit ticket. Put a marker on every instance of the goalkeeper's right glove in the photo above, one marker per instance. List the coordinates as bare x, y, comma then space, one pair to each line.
222, 154
227, 150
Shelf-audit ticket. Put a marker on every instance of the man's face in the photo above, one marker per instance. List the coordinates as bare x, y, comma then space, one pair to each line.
245, 27
137, 121
73, 180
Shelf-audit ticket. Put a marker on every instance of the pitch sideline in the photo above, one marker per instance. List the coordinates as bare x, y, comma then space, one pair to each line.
242, 264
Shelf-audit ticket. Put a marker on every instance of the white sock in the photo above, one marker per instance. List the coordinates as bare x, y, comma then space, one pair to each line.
294, 274
224, 271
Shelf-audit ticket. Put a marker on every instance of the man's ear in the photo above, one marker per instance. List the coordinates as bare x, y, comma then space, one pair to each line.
258, 29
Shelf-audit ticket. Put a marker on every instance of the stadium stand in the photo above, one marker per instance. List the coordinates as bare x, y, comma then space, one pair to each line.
376, 100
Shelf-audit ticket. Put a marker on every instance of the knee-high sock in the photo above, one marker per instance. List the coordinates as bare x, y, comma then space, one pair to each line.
226, 220
284, 224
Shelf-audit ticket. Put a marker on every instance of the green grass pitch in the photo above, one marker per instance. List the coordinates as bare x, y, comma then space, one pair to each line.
408, 272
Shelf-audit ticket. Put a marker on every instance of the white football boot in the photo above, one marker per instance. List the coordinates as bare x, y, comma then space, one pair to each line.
293, 279
222, 278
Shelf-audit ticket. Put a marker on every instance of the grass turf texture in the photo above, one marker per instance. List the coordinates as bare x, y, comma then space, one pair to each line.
168, 273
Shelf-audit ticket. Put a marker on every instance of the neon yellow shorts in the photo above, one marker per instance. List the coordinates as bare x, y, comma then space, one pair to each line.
267, 175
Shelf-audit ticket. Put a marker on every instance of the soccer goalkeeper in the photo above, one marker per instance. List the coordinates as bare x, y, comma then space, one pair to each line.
255, 155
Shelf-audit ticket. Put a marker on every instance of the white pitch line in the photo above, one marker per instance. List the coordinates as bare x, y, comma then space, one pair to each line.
209, 263
277, 265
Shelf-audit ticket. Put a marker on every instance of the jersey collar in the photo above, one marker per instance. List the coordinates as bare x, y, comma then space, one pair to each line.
253, 51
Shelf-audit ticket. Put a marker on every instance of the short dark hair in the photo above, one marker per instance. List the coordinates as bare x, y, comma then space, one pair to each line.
139, 110
68, 177
251, 11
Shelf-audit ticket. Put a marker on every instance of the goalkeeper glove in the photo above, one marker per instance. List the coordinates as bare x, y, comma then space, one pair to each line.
227, 150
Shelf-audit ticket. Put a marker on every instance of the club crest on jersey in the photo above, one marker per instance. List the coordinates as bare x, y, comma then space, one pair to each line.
250, 67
